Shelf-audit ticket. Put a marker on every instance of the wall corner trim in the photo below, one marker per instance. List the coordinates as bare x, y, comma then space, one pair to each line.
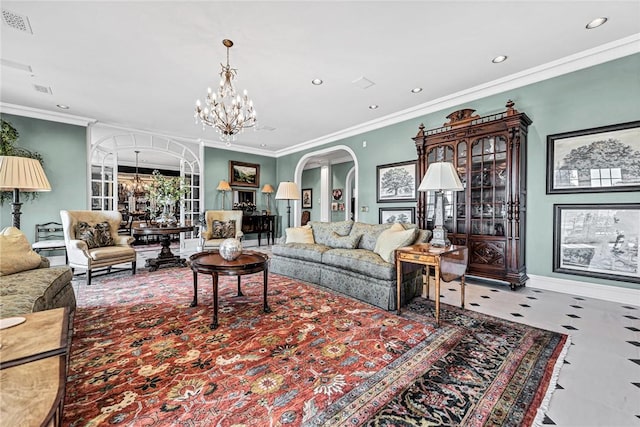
585, 289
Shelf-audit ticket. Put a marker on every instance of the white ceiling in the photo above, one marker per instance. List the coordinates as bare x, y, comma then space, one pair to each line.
141, 65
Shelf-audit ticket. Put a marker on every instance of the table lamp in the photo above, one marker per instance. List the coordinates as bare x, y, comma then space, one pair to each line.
21, 173
268, 190
224, 187
440, 177
288, 191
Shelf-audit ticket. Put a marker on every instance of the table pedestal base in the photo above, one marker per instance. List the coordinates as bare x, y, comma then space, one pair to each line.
166, 257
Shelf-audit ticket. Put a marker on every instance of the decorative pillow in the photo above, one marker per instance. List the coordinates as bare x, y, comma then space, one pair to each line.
393, 238
350, 241
16, 254
223, 229
299, 235
96, 236
322, 230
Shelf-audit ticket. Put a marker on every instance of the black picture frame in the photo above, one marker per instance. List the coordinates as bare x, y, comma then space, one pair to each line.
389, 215
399, 188
600, 159
243, 174
307, 198
597, 240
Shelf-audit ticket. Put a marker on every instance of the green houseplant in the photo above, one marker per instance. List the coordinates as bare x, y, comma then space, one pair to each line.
165, 192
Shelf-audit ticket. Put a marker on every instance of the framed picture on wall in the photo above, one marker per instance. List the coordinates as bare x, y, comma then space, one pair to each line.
597, 240
307, 198
337, 194
401, 215
396, 182
594, 160
244, 174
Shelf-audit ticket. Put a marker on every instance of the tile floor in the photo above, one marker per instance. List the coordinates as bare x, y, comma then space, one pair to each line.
599, 383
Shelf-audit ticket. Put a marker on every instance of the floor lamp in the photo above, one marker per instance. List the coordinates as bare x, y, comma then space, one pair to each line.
440, 177
288, 191
224, 187
21, 173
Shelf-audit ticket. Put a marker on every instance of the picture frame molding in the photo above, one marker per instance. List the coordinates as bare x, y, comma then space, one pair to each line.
554, 140
239, 183
414, 195
412, 209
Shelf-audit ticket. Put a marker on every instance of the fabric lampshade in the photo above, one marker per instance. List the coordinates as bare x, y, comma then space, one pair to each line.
223, 186
268, 189
441, 176
22, 173
288, 191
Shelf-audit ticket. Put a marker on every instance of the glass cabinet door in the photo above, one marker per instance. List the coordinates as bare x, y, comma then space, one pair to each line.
488, 189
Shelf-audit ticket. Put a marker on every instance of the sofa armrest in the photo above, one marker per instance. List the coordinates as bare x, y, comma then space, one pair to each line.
123, 240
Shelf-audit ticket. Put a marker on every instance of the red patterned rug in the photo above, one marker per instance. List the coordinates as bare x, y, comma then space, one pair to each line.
141, 356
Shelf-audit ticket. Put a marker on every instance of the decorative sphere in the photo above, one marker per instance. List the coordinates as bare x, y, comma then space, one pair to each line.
230, 249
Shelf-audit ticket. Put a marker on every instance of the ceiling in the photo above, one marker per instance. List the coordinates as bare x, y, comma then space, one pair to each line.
141, 65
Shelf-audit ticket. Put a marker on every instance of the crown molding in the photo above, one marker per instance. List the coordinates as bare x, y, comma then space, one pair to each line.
585, 59
52, 116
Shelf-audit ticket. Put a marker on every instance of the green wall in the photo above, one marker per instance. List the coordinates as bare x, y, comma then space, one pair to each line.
311, 179
63, 148
339, 173
600, 95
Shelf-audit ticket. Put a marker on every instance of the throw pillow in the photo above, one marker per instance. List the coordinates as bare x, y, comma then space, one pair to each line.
299, 235
349, 241
393, 238
16, 254
223, 229
96, 236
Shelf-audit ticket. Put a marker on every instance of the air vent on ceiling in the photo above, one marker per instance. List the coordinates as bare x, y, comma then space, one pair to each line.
16, 65
43, 89
363, 82
16, 21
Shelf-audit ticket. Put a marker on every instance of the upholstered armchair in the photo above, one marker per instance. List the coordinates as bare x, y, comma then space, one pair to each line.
92, 244
218, 228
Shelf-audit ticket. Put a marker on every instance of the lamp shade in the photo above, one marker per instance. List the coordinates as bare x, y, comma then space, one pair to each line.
441, 176
22, 173
268, 189
223, 186
288, 191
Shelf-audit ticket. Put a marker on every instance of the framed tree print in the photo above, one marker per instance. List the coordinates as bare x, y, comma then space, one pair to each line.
598, 240
396, 182
594, 160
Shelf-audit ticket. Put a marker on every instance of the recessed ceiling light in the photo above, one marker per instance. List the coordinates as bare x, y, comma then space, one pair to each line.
596, 23
62, 106
416, 90
263, 145
499, 59
373, 107
317, 82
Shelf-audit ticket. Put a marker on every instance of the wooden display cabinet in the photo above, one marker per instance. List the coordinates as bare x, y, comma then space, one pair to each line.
489, 215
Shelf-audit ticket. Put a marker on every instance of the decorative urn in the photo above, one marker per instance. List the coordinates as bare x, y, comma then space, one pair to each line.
230, 249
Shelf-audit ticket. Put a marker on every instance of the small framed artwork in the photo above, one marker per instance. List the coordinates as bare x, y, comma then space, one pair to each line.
401, 215
594, 160
244, 196
597, 240
307, 198
244, 174
337, 194
334, 206
396, 182
341, 206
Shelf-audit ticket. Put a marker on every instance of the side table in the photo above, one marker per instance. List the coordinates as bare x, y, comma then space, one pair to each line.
449, 262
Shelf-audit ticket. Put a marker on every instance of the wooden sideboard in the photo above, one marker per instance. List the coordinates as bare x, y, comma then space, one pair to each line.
259, 224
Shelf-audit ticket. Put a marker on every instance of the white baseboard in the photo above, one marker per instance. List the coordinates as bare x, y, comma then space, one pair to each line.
585, 289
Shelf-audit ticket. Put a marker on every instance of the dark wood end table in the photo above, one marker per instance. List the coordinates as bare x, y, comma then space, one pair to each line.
210, 262
165, 257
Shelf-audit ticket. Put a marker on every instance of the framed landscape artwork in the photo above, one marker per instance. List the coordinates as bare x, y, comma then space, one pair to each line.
244, 174
593, 160
396, 182
599, 240
401, 215
307, 198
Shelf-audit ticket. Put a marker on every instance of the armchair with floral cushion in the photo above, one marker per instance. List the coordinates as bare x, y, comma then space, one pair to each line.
92, 240
221, 225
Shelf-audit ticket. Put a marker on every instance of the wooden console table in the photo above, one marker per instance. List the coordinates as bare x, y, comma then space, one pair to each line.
259, 224
33, 369
449, 262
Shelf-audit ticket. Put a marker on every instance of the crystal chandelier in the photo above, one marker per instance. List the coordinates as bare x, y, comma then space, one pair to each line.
136, 187
226, 111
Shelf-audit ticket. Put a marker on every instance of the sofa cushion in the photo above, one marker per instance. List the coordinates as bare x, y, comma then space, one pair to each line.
223, 229
323, 231
302, 251
393, 238
16, 254
36, 290
96, 236
299, 235
350, 241
360, 261
369, 233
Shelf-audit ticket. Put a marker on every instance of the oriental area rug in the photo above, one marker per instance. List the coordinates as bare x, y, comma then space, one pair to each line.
141, 356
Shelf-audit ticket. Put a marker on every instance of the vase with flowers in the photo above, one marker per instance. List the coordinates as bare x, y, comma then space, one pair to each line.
165, 192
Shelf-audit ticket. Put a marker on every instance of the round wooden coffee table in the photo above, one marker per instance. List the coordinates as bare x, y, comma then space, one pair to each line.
210, 262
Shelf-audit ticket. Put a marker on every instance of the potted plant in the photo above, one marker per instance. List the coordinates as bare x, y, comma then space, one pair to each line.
165, 192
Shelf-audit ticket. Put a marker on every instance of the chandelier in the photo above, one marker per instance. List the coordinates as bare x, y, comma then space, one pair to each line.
226, 111
136, 187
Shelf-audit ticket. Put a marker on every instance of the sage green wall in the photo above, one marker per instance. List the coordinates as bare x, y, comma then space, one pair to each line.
311, 179
600, 95
339, 172
216, 168
64, 150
